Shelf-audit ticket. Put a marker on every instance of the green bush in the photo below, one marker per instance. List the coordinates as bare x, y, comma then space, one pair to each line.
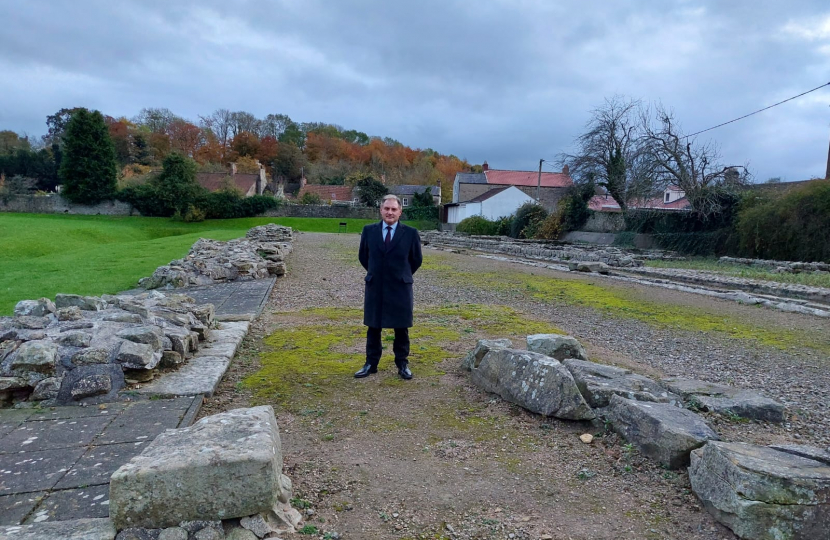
478, 225
791, 227
573, 207
310, 198
421, 213
527, 220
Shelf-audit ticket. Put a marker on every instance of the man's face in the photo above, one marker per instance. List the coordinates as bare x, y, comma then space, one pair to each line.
390, 211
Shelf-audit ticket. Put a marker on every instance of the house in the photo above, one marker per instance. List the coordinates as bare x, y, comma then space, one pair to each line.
673, 199
407, 191
347, 194
248, 184
551, 186
497, 202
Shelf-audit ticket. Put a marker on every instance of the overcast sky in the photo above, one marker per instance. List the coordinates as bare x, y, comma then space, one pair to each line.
507, 81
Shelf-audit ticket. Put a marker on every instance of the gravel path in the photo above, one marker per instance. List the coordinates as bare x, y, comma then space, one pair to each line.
403, 483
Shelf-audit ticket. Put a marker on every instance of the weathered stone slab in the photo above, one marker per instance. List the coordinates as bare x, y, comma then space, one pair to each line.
85, 303
81, 529
725, 399
34, 471
598, 383
588, 266
143, 421
13, 508
73, 504
556, 346
75, 338
474, 357
661, 431
534, 381
200, 375
98, 463
763, 493
224, 466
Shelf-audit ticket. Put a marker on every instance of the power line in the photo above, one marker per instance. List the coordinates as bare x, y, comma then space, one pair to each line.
759, 110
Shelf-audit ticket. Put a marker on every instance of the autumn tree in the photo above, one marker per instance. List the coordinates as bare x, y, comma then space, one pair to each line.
88, 170
185, 138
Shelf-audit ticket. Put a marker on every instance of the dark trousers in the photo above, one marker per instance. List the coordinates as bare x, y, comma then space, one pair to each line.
374, 347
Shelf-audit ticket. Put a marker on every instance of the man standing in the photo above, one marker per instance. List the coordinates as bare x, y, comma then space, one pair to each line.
390, 252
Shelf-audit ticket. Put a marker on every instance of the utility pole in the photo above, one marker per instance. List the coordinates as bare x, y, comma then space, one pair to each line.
539, 181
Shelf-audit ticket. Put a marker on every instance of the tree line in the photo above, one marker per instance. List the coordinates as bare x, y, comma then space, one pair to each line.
322, 153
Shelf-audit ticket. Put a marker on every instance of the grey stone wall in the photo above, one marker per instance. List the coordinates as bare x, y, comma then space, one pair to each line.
604, 222
55, 204
323, 211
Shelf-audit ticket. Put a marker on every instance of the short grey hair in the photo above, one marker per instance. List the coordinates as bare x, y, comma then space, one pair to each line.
391, 196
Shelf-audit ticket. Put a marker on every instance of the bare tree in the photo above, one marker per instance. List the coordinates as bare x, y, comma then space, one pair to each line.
274, 125
691, 166
157, 120
242, 121
219, 123
610, 152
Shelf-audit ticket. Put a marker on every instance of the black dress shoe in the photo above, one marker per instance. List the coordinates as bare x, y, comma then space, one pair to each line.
405, 373
365, 371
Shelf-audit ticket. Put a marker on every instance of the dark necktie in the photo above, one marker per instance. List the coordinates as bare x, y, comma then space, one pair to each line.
388, 239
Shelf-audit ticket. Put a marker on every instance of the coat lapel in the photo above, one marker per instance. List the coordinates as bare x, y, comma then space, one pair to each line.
399, 231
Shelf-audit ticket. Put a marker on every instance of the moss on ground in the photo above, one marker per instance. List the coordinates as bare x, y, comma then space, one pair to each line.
322, 348
623, 303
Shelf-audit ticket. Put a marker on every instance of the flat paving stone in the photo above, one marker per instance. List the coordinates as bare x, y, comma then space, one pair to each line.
236, 298
98, 463
87, 502
10, 419
200, 376
35, 471
71, 412
79, 529
13, 508
144, 420
35, 435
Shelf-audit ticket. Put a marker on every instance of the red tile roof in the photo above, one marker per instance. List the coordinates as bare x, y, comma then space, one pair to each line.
217, 181
327, 193
527, 178
603, 203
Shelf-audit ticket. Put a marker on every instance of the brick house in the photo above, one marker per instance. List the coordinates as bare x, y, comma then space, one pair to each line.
551, 188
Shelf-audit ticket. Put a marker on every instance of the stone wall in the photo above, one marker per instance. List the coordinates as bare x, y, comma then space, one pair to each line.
323, 211
55, 204
604, 222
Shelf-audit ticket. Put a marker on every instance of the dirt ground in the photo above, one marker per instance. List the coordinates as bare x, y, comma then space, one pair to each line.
435, 457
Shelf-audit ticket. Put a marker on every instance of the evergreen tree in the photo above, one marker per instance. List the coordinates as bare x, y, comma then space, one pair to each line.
176, 188
88, 168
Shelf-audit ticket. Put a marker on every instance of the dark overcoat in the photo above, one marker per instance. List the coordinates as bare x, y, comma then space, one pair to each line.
388, 299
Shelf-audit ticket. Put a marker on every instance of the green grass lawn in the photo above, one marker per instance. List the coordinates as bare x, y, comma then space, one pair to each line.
42, 255
741, 270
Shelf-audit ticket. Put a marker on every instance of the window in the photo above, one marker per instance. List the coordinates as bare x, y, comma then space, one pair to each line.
405, 201
668, 195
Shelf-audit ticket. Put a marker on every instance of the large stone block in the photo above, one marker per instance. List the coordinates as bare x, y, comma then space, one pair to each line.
133, 355
556, 346
534, 381
224, 466
474, 357
37, 308
764, 493
94, 383
598, 383
726, 399
86, 303
38, 356
661, 431
148, 335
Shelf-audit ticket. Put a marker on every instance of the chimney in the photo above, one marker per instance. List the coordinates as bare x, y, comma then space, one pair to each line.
565, 170
302, 181
233, 168
485, 167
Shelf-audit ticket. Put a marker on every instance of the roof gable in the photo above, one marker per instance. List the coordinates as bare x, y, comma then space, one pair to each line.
218, 181
327, 193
